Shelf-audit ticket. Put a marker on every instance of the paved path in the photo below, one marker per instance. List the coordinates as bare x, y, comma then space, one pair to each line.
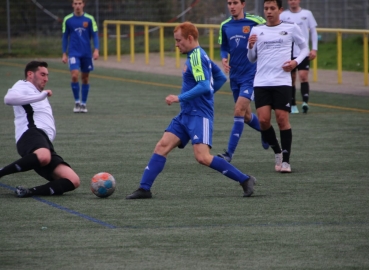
352, 82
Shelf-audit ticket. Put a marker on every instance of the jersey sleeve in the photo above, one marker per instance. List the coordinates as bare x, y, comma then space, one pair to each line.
65, 31
17, 97
224, 48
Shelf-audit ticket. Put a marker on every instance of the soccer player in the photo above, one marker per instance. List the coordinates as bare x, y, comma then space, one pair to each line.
34, 133
201, 79
78, 30
305, 19
270, 45
233, 36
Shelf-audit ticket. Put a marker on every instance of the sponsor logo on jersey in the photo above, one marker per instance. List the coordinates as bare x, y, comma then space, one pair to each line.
283, 33
246, 29
79, 30
85, 24
237, 41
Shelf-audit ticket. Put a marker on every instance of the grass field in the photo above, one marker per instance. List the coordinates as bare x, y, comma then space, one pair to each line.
314, 218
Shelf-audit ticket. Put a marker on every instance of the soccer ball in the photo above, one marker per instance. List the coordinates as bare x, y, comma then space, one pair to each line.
103, 184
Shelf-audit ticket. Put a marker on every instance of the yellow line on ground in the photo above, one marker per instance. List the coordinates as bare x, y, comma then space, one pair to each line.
178, 87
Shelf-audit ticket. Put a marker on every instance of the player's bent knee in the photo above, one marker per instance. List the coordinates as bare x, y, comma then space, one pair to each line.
43, 156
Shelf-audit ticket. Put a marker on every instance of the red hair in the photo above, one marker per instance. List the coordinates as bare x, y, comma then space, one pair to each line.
187, 29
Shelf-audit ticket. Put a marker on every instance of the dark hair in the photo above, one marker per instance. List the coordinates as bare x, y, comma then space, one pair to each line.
279, 2
33, 66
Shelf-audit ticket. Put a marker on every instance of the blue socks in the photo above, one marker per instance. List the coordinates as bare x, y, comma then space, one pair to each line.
254, 122
75, 89
85, 90
152, 170
228, 170
235, 134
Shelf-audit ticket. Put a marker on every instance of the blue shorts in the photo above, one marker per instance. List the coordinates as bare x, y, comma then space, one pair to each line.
198, 129
81, 63
242, 89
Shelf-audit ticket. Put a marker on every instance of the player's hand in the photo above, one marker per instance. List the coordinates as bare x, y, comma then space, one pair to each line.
64, 58
49, 92
289, 65
312, 55
252, 41
95, 54
171, 99
226, 67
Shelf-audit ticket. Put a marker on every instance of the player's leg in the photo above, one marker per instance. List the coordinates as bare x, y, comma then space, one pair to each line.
294, 108
74, 66
282, 118
304, 79
172, 138
86, 68
31, 159
263, 102
60, 176
238, 123
305, 89
203, 129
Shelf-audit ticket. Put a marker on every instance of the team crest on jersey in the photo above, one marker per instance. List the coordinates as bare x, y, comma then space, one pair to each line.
283, 33
246, 29
85, 24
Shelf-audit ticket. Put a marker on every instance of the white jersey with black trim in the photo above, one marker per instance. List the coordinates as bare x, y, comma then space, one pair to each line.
272, 49
305, 19
31, 109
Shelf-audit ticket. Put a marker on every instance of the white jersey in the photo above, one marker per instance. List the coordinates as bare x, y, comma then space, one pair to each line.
305, 19
272, 49
31, 109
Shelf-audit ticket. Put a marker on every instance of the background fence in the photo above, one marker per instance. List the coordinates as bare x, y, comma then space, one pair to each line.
38, 20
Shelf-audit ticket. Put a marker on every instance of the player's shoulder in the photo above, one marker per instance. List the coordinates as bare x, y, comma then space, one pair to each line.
255, 18
228, 20
284, 23
69, 16
89, 16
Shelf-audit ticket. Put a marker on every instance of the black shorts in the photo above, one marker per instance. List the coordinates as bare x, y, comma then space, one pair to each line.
304, 65
34, 139
278, 97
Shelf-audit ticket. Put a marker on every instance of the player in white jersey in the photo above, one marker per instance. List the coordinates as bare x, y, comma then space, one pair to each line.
305, 19
34, 133
270, 45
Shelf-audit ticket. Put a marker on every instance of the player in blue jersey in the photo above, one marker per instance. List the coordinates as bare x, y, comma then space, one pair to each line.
78, 30
233, 36
201, 79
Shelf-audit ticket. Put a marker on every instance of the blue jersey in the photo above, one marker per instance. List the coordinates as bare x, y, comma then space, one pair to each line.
79, 30
233, 38
198, 67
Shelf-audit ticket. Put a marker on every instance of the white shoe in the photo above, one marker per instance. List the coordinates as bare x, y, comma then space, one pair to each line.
294, 109
83, 108
278, 162
286, 167
77, 108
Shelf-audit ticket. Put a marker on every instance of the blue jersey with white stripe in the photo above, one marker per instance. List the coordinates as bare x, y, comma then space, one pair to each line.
198, 67
79, 30
233, 38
